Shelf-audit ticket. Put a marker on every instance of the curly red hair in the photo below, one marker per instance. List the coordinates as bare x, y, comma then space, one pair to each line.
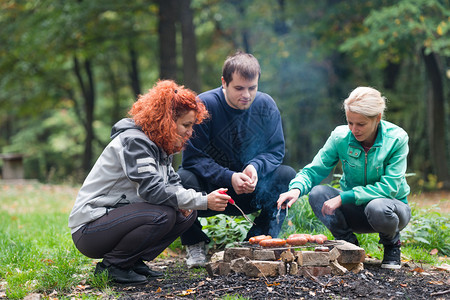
157, 111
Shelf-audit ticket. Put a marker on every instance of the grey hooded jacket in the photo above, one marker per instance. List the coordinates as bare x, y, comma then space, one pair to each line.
131, 169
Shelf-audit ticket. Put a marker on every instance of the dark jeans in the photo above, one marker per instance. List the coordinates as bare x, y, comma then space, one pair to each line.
264, 198
127, 234
385, 216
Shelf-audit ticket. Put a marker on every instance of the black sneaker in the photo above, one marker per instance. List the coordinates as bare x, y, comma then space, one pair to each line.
391, 257
119, 275
141, 268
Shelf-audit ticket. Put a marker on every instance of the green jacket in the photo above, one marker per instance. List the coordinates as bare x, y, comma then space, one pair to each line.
380, 173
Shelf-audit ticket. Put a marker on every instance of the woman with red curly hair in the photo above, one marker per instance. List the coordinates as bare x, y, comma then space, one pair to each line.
132, 205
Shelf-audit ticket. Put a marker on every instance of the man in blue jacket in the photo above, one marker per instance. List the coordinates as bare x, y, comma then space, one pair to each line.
241, 147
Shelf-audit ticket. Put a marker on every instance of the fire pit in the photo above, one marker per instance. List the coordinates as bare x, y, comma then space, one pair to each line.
253, 260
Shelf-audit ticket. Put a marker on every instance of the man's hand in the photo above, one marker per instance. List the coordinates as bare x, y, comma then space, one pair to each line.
331, 205
217, 201
245, 182
290, 196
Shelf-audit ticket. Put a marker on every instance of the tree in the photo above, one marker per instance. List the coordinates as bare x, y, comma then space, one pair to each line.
390, 33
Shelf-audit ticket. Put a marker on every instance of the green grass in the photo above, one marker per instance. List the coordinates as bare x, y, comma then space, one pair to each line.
37, 254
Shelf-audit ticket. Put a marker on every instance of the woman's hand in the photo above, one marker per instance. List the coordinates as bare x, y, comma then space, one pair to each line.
331, 205
217, 201
290, 196
185, 212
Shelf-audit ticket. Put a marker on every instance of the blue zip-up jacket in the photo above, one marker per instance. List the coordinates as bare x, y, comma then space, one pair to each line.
379, 173
232, 139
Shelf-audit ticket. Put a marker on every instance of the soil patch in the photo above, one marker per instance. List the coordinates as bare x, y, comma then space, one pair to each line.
410, 282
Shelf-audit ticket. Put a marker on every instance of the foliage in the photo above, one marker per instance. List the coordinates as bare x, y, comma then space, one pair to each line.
393, 30
225, 230
429, 230
312, 55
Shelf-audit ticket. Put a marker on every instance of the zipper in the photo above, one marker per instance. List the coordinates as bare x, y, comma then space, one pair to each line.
365, 167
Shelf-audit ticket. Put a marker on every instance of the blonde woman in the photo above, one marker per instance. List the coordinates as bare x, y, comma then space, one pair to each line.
373, 189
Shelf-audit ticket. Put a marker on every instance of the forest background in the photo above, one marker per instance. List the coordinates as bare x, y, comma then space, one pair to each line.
70, 69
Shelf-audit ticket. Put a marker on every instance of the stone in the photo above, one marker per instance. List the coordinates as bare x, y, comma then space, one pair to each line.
349, 253
355, 268
314, 271
218, 268
293, 268
334, 254
312, 258
218, 256
257, 268
237, 252
287, 256
336, 268
237, 265
264, 254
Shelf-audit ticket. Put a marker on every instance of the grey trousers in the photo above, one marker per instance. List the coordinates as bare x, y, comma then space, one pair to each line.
384, 216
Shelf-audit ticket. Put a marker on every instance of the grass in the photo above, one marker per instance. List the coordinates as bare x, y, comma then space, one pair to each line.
37, 254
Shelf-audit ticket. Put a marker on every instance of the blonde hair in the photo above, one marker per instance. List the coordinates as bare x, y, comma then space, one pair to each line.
366, 101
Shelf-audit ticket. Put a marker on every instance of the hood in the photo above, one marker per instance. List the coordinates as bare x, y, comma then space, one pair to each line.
123, 125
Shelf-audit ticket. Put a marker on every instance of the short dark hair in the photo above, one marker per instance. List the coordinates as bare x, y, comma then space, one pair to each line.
244, 63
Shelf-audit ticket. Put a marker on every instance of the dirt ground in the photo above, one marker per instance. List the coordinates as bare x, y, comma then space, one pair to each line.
410, 282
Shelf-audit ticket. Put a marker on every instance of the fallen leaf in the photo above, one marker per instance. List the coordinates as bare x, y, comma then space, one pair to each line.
403, 284
159, 290
48, 261
418, 270
443, 267
436, 282
271, 284
186, 293
434, 251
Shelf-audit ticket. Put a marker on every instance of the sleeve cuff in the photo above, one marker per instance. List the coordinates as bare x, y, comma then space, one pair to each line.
296, 185
348, 197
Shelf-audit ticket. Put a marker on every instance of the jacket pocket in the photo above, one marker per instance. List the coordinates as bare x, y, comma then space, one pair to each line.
352, 173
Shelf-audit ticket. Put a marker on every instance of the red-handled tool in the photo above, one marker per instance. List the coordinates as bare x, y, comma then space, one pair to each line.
231, 201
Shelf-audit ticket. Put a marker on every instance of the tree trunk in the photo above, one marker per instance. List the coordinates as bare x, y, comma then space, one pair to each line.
133, 71
436, 119
167, 39
189, 47
89, 103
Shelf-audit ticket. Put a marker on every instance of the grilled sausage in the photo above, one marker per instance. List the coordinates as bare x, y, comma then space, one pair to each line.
297, 240
272, 243
308, 237
319, 238
256, 239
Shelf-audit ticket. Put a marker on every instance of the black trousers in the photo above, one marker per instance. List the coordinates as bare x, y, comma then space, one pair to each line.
263, 199
127, 234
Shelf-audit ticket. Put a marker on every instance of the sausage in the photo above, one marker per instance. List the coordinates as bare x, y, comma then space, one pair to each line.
297, 240
258, 238
321, 249
272, 243
308, 237
319, 238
